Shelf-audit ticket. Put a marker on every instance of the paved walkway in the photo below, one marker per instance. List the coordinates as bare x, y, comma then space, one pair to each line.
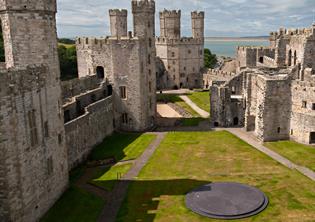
250, 139
201, 112
120, 190
164, 110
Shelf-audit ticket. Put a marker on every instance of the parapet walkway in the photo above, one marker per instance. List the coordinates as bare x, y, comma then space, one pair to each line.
251, 140
201, 112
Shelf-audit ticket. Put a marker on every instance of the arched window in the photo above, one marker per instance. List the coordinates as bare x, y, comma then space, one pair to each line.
290, 58
100, 72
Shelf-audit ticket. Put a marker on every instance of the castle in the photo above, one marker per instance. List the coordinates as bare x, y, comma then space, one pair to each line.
180, 59
48, 127
273, 91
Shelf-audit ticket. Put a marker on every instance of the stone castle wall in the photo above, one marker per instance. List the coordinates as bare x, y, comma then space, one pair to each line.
89, 130
32, 144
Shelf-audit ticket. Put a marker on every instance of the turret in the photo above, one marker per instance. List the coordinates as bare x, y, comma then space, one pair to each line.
144, 18
197, 19
118, 22
170, 24
29, 32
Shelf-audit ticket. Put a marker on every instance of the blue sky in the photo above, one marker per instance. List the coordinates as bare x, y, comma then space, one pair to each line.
223, 17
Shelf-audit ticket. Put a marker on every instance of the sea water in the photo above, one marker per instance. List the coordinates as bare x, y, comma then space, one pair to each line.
227, 48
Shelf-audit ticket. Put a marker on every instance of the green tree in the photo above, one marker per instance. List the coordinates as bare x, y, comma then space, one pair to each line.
210, 59
68, 62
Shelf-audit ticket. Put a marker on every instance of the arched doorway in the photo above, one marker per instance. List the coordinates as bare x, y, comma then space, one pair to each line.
261, 59
295, 57
235, 121
100, 72
290, 58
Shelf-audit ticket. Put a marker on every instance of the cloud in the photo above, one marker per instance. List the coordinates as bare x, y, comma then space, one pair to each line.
223, 18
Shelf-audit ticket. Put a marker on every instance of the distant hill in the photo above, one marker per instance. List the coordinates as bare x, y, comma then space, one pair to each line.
249, 38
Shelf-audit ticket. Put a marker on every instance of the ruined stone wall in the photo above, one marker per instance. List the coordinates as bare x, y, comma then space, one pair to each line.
213, 75
303, 110
227, 102
88, 130
74, 87
32, 143
273, 109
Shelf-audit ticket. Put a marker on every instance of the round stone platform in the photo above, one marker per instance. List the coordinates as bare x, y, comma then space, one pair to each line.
226, 201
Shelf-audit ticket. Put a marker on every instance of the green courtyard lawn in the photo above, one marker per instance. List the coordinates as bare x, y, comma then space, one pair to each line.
75, 205
122, 146
185, 160
172, 98
201, 99
298, 153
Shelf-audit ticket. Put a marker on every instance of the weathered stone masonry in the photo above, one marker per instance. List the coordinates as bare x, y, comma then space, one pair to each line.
34, 169
277, 90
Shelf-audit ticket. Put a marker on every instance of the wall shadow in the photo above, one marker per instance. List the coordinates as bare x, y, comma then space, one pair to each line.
143, 197
113, 146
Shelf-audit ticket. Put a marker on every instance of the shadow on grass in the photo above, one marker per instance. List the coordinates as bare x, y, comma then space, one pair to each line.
113, 146
143, 197
169, 98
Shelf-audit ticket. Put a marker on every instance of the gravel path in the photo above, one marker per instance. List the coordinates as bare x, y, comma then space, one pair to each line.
120, 190
201, 112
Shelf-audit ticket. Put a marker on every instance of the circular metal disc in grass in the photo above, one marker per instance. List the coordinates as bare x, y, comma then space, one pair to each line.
226, 201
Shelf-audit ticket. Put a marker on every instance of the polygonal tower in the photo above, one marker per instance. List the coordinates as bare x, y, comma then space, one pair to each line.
33, 162
118, 22
170, 24
144, 29
197, 19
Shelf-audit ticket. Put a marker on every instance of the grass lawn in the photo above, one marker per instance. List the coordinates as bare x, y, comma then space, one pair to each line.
107, 178
192, 121
75, 205
171, 98
185, 160
298, 153
122, 146
201, 99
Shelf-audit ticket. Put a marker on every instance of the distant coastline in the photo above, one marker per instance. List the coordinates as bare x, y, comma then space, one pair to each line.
239, 39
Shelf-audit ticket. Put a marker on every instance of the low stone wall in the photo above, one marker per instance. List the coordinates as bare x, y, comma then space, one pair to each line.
83, 133
213, 75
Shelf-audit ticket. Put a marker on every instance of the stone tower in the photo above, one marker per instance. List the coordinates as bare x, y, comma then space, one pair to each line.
144, 29
197, 19
170, 24
33, 161
118, 22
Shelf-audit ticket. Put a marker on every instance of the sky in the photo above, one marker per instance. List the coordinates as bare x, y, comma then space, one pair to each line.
230, 18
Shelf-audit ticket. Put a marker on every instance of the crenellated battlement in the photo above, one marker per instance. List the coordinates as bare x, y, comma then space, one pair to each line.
92, 42
197, 15
244, 48
118, 12
143, 6
170, 14
306, 32
184, 40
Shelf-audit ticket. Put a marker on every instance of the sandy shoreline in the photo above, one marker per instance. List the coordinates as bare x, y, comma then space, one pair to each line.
229, 39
